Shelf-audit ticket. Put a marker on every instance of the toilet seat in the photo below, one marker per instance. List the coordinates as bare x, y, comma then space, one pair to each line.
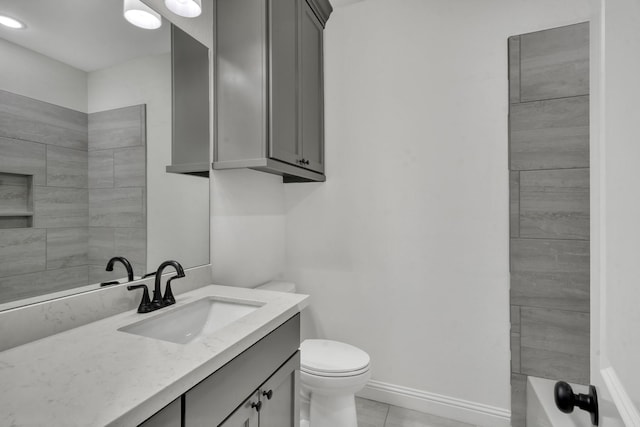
326, 358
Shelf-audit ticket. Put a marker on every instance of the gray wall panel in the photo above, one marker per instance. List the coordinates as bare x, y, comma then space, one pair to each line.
554, 204
555, 63
22, 251
32, 120
67, 167
555, 344
122, 127
551, 134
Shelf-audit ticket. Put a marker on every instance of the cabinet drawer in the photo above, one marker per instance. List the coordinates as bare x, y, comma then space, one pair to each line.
211, 401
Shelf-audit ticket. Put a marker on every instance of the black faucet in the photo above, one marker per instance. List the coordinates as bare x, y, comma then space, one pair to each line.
158, 300
124, 262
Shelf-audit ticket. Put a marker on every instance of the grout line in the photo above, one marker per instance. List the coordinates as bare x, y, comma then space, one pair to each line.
552, 169
550, 99
386, 416
555, 239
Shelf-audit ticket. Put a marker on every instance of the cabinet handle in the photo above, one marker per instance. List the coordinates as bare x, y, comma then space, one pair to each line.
306, 162
257, 405
269, 394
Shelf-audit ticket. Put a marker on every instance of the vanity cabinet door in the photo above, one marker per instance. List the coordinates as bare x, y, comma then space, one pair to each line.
169, 416
279, 396
247, 415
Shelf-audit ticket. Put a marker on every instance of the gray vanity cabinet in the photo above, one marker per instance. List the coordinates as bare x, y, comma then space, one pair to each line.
272, 405
169, 416
226, 397
269, 87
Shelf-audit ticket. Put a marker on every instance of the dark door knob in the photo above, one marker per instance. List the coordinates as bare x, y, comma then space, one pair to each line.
268, 394
566, 400
257, 406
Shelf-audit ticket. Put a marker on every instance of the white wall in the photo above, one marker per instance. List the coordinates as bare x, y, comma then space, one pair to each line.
404, 249
247, 227
177, 205
36, 76
615, 313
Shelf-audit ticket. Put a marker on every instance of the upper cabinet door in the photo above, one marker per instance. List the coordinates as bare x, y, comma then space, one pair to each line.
312, 92
283, 80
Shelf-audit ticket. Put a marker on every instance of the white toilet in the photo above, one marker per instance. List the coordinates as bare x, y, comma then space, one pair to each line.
331, 372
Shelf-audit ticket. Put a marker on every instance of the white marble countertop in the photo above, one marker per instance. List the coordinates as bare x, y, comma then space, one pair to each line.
95, 375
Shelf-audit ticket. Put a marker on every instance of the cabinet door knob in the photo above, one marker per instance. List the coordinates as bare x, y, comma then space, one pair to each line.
269, 394
256, 405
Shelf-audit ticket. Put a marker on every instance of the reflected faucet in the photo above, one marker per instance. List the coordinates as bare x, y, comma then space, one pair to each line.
124, 262
158, 300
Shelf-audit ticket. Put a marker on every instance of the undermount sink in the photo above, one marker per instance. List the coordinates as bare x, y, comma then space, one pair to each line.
200, 318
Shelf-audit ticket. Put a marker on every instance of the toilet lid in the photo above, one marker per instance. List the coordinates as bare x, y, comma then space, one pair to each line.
327, 357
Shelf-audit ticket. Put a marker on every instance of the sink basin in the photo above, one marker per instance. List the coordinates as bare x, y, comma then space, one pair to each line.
192, 321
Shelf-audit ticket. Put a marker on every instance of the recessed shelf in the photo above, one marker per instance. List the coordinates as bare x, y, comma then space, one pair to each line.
16, 200
16, 213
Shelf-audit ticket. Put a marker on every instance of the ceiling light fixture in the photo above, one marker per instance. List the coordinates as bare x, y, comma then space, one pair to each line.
141, 15
7, 21
186, 8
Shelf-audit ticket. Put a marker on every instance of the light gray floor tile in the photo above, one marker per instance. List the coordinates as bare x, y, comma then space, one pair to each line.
371, 413
400, 417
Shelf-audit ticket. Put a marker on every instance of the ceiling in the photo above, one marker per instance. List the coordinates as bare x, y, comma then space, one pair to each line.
86, 34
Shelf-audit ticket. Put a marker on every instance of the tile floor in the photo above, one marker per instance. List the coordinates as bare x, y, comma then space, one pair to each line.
376, 414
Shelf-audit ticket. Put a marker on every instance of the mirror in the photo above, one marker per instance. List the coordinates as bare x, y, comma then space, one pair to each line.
85, 138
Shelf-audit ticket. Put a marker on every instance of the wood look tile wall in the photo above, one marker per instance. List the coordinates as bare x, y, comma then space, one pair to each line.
46, 146
117, 190
88, 174
549, 208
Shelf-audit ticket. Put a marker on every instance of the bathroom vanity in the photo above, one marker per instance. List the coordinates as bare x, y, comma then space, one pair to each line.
109, 373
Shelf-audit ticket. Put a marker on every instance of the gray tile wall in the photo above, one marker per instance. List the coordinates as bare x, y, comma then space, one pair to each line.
117, 190
549, 208
45, 146
87, 191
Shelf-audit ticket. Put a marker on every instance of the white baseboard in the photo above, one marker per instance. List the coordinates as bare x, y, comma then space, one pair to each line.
437, 404
620, 397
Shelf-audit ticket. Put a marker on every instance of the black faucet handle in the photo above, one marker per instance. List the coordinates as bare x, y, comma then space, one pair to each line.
145, 305
153, 273
113, 282
168, 298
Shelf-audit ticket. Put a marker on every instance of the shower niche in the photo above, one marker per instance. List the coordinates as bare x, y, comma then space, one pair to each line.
16, 193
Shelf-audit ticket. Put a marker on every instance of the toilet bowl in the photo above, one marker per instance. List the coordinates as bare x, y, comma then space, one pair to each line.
331, 372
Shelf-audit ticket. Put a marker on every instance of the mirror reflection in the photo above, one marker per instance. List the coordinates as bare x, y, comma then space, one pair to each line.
85, 136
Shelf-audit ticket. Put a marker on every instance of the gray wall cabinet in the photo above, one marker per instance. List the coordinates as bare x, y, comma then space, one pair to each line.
257, 388
269, 87
190, 104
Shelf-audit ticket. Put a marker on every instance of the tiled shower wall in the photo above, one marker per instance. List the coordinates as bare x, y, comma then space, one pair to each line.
117, 190
549, 208
80, 217
49, 143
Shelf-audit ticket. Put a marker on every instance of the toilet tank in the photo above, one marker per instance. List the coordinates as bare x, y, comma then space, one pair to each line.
278, 285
